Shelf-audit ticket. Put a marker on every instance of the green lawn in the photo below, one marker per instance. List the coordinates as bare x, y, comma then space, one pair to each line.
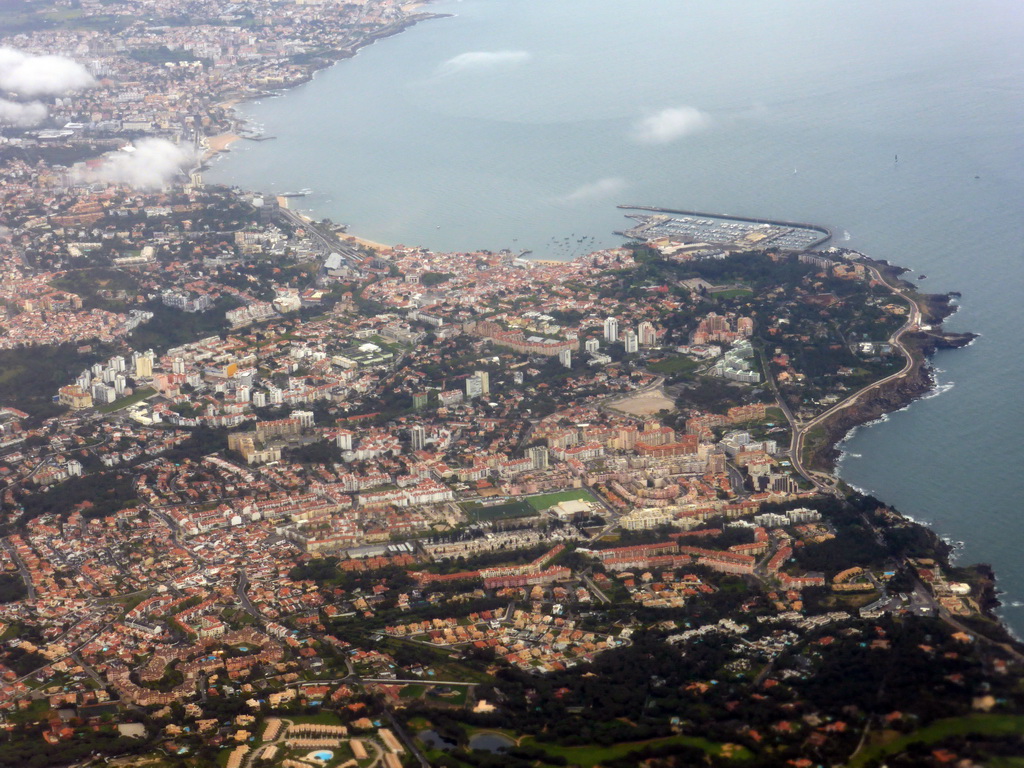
986, 725
13, 19
391, 346
457, 698
731, 293
480, 514
472, 731
672, 365
590, 756
238, 617
459, 672
126, 603
547, 500
320, 718
124, 402
412, 691
813, 440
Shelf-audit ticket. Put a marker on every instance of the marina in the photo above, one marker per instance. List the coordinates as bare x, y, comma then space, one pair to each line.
723, 230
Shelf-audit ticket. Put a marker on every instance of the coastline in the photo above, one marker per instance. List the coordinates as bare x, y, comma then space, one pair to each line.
367, 243
902, 390
221, 142
897, 394
894, 395
342, 236
708, 601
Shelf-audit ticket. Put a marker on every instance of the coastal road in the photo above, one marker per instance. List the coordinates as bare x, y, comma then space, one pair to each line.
925, 596
784, 406
801, 430
324, 238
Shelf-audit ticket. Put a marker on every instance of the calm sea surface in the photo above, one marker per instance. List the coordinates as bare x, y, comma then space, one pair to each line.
522, 123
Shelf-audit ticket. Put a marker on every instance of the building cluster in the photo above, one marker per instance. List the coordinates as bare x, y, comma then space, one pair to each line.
43, 327
533, 641
164, 79
260, 433
767, 555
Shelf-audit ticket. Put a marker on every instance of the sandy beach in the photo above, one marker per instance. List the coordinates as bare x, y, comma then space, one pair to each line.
219, 143
368, 243
283, 202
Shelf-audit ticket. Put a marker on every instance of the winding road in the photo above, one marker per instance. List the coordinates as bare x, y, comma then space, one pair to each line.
800, 430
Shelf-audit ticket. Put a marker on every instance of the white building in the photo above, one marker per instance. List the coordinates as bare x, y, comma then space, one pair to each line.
611, 329
418, 437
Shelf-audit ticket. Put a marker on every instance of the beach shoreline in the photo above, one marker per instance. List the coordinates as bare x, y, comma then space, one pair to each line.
221, 142
366, 243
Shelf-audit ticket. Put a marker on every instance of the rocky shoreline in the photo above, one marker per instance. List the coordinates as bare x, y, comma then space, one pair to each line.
901, 392
898, 394
890, 397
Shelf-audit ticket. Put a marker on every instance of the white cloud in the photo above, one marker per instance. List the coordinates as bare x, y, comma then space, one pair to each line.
670, 124
22, 115
595, 190
150, 164
31, 75
478, 60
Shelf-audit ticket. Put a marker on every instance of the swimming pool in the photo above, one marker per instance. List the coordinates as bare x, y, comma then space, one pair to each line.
322, 756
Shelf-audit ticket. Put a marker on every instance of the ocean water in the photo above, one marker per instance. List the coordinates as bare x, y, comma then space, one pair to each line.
522, 124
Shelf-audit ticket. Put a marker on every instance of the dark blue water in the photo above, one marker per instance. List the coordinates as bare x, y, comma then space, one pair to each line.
522, 124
